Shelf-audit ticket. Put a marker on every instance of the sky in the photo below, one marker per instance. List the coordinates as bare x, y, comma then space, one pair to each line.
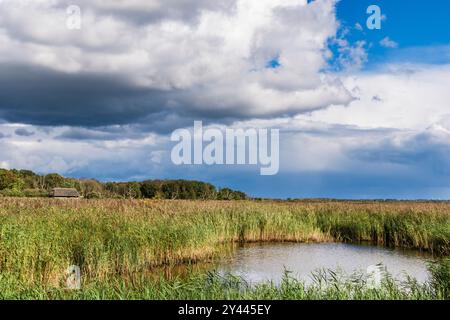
361, 113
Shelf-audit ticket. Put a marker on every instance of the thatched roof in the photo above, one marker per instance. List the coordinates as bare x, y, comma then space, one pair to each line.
65, 193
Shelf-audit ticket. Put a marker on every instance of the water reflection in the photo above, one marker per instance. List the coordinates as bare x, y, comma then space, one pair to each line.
263, 262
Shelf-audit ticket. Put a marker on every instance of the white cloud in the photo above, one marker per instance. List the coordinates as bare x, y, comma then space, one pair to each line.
352, 56
399, 123
217, 63
47, 152
211, 61
400, 116
388, 43
402, 97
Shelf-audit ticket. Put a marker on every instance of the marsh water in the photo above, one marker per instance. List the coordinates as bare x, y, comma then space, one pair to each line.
257, 263
267, 262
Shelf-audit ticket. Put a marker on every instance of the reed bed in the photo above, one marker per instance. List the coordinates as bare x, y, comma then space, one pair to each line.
327, 285
40, 238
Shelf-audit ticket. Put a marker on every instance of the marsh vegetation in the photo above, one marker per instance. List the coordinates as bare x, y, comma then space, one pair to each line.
117, 243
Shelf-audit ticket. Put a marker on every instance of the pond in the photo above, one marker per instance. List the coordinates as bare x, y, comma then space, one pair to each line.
262, 262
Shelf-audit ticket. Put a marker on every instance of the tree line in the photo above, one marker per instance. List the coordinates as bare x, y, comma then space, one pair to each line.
25, 183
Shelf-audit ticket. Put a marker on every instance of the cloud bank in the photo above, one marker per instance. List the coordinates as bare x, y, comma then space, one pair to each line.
209, 63
102, 101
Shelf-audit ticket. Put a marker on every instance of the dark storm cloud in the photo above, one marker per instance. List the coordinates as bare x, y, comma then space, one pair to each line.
421, 151
85, 134
42, 97
339, 130
146, 12
185, 10
39, 96
109, 133
23, 132
191, 72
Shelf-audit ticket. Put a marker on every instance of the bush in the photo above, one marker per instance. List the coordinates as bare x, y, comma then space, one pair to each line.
31, 193
93, 195
11, 193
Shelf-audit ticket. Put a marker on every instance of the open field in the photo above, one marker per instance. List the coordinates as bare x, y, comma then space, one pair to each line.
114, 240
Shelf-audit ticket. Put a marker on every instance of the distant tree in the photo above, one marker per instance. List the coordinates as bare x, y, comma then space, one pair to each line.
90, 186
228, 194
11, 180
134, 190
30, 179
27, 183
7, 178
148, 189
53, 180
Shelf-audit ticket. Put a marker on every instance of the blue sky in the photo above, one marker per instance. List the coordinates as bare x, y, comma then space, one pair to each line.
361, 113
411, 24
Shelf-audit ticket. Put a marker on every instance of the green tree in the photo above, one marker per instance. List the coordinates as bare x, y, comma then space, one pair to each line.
149, 189
53, 180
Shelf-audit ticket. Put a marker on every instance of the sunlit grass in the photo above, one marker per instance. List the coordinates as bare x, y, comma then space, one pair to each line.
327, 285
40, 238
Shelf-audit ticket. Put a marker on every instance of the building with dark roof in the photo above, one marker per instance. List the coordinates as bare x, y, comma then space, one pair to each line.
64, 193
